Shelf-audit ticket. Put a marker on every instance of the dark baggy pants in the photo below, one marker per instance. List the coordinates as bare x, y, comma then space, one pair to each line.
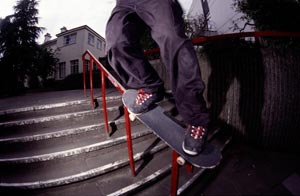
164, 17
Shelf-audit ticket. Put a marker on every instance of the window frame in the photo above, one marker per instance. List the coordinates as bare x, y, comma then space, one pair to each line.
61, 70
69, 39
74, 66
91, 39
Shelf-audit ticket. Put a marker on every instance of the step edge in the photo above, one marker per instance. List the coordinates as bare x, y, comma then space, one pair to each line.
52, 106
83, 175
74, 151
142, 183
54, 117
57, 134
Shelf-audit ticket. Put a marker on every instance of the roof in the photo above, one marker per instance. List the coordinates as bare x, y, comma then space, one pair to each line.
49, 43
80, 28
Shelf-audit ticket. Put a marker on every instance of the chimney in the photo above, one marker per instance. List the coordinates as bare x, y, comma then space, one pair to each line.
47, 37
63, 29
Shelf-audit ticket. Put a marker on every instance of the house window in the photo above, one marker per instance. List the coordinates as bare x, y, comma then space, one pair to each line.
62, 70
95, 68
87, 64
99, 44
91, 39
74, 66
70, 39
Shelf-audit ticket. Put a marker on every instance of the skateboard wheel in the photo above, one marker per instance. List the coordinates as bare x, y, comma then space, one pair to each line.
180, 161
132, 117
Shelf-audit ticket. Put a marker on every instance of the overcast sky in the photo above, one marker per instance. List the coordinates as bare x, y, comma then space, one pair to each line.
54, 14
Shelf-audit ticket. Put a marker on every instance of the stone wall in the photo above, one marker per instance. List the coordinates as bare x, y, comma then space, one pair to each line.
253, 91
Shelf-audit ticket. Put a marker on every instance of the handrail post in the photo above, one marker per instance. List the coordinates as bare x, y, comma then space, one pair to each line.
103, 87
129, 141
174, 174
84, 75
91, 82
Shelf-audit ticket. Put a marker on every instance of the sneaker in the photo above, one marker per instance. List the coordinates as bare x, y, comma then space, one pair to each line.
144, 101
194, 140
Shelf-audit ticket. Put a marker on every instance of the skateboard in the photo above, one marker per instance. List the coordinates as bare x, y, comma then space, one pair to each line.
172, 133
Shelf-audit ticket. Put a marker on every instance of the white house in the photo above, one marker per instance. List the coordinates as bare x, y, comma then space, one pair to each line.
69, 47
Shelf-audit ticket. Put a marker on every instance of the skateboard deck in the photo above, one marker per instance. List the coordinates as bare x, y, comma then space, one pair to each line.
172, 134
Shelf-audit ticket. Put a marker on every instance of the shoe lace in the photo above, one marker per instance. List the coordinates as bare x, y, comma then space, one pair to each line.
197, 132
142, 96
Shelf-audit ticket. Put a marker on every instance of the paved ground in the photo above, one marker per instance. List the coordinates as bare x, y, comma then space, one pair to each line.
244, 171
249, 171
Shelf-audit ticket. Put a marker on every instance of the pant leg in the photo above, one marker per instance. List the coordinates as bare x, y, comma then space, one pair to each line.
167, 28
124, 52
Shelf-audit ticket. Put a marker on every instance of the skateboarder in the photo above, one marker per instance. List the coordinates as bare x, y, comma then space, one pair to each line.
164, 17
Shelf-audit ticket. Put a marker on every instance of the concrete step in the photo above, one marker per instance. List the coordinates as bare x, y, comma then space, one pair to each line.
49, 149
69, 120
61, 121
116, 177
54, 109
74, 168
40, 132
62, 148
153, 178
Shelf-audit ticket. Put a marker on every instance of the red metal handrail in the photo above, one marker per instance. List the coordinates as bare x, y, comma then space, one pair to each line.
121, 89
255, 34
105, 74
103, 70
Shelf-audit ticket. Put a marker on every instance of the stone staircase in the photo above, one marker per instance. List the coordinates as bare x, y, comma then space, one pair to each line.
63, 149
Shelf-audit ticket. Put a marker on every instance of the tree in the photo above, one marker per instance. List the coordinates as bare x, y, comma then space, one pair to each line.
8, 79
45, 62
273, 15
195, 26
148, 43
19, 50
